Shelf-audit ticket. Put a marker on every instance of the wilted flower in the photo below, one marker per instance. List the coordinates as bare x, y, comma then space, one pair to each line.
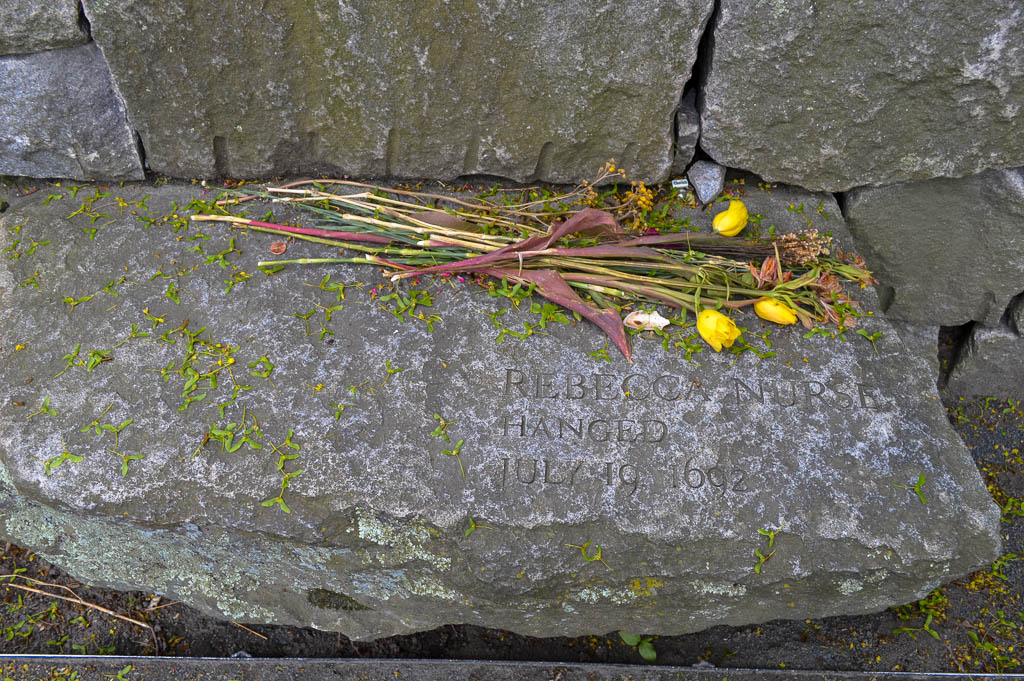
774, 311
717, 329
647, 321
732, 220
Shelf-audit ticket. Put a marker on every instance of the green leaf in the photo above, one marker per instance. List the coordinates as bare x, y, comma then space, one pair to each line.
647, 651
630, 639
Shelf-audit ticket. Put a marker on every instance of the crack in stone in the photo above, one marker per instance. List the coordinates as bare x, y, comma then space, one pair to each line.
701, 67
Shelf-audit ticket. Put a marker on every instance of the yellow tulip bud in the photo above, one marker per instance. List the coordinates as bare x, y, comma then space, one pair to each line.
732, 220
716, 329
774, 311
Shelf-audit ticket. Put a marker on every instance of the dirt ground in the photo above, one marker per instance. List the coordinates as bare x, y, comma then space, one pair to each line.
972, 625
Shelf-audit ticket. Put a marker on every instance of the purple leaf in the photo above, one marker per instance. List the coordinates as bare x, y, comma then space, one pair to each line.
551, 285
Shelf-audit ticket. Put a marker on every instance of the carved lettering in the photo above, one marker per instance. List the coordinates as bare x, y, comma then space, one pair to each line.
666, 392
788, 402
576, 429
541, 424
634, 392
868, 397
596, 433
748, 390
811, 393
533, 470
514, 379
698, 387
521, 425
555, 472
651, 431
720, 480
574, 383
828, 393
545, 387
603, 387
654, 431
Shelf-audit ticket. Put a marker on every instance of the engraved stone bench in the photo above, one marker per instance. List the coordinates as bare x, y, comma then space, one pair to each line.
588, 494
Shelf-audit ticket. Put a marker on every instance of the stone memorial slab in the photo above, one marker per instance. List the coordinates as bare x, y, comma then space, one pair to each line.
295, 447
529, 90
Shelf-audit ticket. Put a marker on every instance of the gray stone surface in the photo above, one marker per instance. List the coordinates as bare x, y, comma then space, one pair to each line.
60, 117
526, 90
947, 249
687, 133
32, 26
835, 94
990, 364
708, 180
922, 340
672, 480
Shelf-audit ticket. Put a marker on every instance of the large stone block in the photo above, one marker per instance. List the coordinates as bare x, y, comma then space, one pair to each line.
60, 117
669, 469
525, 89
32, 26
991, 361
835, 94
948, 250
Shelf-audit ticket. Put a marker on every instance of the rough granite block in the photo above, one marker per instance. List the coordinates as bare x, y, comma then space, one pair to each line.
527, 90
60, 117
832, 94
32, 26
272, 447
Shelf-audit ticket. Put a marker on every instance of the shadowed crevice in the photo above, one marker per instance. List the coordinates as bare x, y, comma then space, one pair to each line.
1008, 319
952, 342
220, 156
391, 153
83, 21
840, 198
140, 146
544, 162
471, 160
699, 74
325, 599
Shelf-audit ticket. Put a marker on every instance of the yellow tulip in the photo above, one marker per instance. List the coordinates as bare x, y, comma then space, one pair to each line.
732, 220
716, 329
774, 311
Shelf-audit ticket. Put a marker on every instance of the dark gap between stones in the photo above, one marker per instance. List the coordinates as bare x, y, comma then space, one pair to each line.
698, 76
1007, 318
83, 21
951, 342
141, 148
220, 156
840, 198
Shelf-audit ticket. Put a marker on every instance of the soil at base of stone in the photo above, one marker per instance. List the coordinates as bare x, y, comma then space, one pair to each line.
986, 604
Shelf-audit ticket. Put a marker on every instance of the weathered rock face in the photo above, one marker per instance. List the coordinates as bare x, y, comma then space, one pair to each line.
687, 133
32, 26
708, 180
525, 90
835, 94
991, 361
141, 356
947, 248
60, 117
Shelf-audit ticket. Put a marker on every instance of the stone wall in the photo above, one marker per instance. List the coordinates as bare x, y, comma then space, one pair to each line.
910, 113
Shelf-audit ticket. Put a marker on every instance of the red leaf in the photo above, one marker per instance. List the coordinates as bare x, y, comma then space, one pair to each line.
551, 285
